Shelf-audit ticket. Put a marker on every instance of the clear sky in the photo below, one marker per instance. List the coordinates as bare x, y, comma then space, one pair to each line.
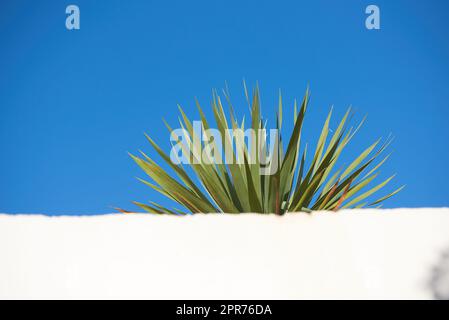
73, 103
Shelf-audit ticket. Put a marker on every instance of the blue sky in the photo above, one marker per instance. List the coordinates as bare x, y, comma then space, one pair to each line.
73, 103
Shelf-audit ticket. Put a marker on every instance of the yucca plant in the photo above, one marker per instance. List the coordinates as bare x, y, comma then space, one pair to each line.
297, 185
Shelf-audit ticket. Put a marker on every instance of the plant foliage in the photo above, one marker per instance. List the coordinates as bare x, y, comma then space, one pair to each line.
300, 184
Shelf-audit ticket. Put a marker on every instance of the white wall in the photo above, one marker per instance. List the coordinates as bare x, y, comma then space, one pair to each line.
350, 254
